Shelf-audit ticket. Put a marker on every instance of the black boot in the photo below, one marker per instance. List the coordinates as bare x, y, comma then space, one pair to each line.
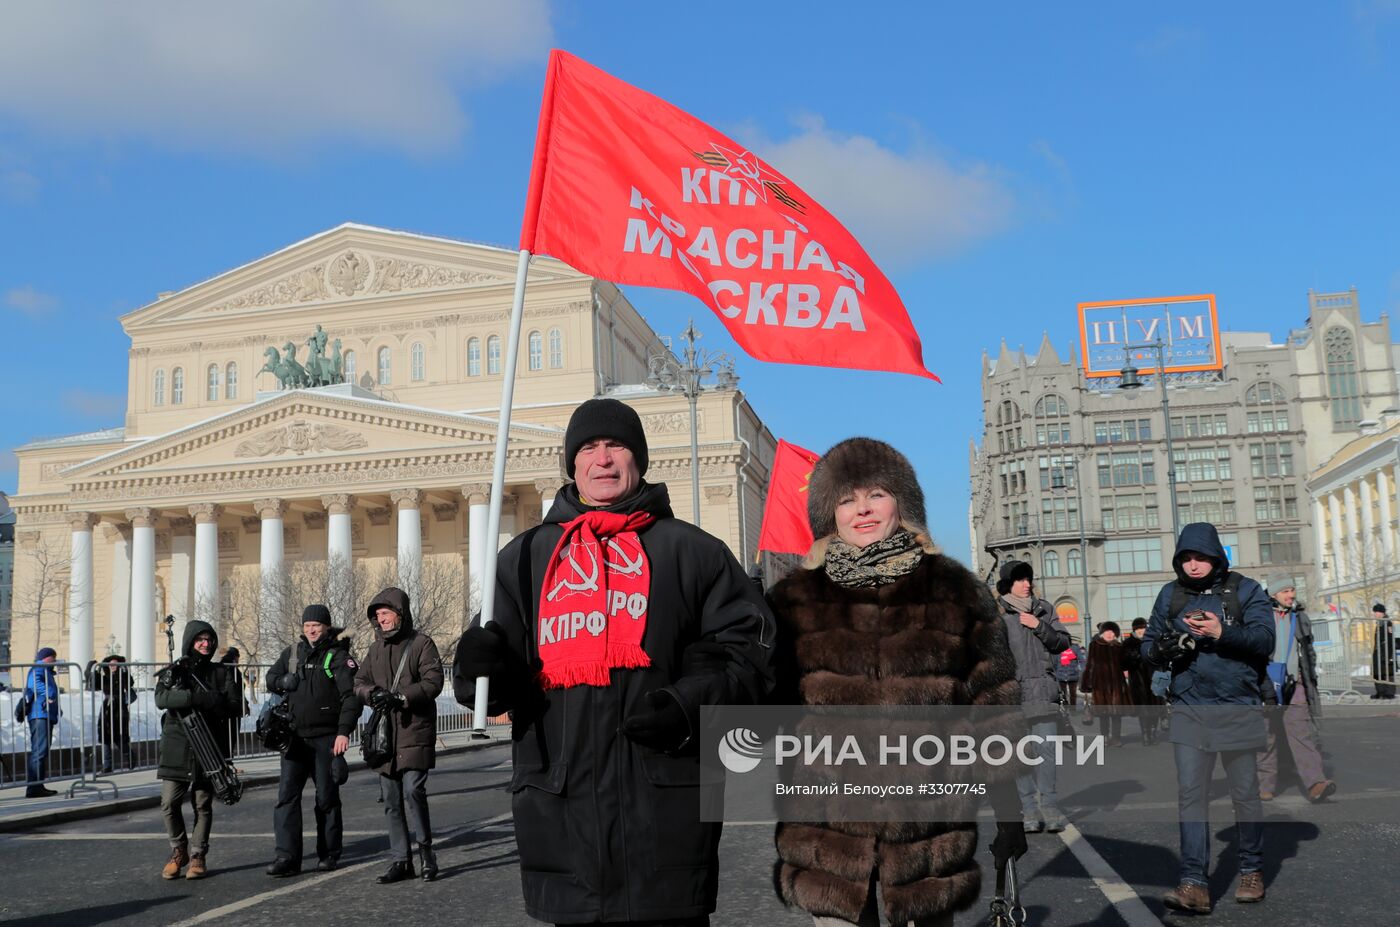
397, 872
283, 867
428, 862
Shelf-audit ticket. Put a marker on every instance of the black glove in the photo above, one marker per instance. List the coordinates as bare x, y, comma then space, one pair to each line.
288, 682
661, 725
381, 698
1173, 647
175, 676
1010, 843
481, 652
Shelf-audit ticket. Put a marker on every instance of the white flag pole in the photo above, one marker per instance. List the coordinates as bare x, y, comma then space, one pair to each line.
498, 480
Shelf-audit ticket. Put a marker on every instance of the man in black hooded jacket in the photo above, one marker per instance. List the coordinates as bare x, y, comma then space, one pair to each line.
1214, 630
615, 622
317, 677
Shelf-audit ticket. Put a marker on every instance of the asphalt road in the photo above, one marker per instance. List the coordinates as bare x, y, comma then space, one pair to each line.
106, 870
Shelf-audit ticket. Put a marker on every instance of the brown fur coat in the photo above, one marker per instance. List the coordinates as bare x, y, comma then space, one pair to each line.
1103, 677
932, 637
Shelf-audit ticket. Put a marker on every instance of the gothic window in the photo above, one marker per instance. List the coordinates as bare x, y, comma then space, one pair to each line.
417, 362
386, 370
231, 381
473, 357
1342, 386
536, 351
177, 386
556, 349
158, 389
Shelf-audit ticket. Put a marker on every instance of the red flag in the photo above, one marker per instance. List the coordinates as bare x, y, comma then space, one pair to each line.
785, 527
629, 188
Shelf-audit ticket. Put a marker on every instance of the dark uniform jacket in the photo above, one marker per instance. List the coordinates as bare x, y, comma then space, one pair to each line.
194, 683
609, 830
415, 728
324, 700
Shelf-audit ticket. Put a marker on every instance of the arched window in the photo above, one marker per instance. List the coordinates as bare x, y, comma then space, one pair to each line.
1009, 436
1341, 377
158, 389
212, 385
1264, 393
177, 386
231, 381
556, 349
493, 354
536, 348
1051, 405
347, 366
1051, 566
416, 354
386, 372
1052, 419
1075, 562
473, 357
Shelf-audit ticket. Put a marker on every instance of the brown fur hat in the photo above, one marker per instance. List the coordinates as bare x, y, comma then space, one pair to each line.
863, 463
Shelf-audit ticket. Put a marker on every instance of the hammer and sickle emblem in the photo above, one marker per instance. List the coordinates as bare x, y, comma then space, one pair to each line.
628, 566
589, 581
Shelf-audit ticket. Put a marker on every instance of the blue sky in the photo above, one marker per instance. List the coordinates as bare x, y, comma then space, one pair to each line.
1001, 164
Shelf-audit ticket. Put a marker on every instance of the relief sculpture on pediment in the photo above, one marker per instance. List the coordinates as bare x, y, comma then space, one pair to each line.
300, 438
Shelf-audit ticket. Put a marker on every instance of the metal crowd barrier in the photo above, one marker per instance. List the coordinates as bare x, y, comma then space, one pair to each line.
109, 722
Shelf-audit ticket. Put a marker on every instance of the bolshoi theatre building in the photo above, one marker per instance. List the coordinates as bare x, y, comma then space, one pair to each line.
332, 410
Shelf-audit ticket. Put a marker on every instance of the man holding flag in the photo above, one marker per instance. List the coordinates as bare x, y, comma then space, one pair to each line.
615, 622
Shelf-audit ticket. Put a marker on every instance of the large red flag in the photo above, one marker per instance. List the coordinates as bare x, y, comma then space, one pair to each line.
786, 529
629, 188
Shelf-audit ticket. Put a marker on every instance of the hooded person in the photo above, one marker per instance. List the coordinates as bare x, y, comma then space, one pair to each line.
1036, 637
194, 682
40, 709
402, 674
877, 616
1214, 630
316, 675
615, 623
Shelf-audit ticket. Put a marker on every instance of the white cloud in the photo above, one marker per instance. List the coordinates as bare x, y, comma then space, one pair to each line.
902, 207
266, 77
94, 405
30, 301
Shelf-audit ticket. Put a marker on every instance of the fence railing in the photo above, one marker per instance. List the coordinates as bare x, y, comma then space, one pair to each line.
108, 722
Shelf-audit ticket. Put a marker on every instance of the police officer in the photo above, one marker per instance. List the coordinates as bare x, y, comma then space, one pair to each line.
317, 677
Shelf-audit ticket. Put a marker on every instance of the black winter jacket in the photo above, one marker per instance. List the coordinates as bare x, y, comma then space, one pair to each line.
609, 830
324, 700
194, 683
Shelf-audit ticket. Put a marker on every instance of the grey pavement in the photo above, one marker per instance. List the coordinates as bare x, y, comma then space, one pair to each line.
106, 870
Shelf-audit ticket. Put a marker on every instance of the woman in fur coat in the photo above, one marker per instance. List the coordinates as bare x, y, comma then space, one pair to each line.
878, 617
1105, 679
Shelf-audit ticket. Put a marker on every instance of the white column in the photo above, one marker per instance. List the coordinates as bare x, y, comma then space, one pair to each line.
478, 510
1326, 577
410, 546
1340, 572
339, 545
1352, 541
143, 584
180, 600
1384, 487
270, 564
548, 489
206, 561
1368, 549
80, 592
119, 611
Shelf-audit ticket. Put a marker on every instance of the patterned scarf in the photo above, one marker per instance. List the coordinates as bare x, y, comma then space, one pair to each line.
593, 606
875, 565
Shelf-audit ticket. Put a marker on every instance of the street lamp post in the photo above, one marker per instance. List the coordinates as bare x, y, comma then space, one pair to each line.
686, 376
1130, 381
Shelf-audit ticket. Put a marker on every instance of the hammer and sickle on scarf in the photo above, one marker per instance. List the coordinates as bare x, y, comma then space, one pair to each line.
589, 580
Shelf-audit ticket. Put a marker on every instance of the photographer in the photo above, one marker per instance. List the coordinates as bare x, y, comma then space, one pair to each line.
191, 683
316, 675
1215, 631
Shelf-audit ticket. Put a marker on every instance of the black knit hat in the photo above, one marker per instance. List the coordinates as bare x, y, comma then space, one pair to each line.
605, 418
1378, 607
317, 613
1139, 623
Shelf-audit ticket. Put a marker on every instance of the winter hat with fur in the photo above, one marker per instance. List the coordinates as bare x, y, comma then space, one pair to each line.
862, 463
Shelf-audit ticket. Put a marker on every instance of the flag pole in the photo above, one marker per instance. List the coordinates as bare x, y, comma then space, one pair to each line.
498, 481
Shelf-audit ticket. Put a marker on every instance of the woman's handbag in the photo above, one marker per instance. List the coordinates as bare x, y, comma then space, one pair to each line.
377, 734
1007, 910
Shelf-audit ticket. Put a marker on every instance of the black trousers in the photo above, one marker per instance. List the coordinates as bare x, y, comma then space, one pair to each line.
308, 757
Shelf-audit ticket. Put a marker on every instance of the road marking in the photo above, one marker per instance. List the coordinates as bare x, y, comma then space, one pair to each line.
1119, 894
298, 885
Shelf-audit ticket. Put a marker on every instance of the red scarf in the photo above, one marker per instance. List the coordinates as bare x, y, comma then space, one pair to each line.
593, 606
